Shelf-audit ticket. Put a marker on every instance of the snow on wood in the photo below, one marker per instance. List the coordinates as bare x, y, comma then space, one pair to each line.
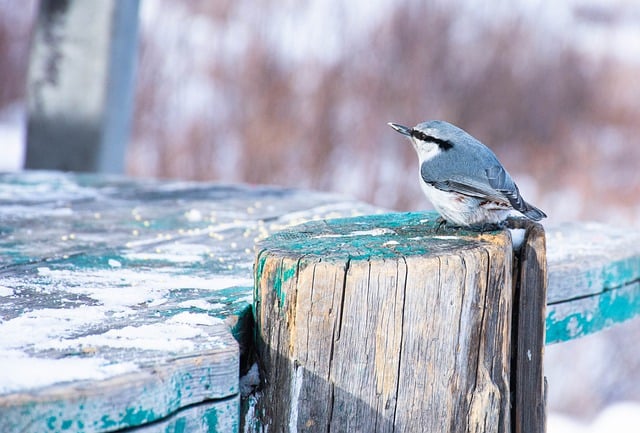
120, 297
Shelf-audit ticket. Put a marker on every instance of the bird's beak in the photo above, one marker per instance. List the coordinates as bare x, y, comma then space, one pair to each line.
401, 129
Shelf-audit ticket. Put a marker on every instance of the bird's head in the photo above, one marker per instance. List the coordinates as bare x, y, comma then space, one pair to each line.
430, 138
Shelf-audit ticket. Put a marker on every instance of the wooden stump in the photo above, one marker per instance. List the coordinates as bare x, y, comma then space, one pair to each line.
382, 323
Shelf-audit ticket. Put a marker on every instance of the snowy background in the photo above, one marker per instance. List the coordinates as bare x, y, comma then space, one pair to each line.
299, 93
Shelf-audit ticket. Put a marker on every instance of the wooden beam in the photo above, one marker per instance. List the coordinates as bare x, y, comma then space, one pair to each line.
594, 279
80, 85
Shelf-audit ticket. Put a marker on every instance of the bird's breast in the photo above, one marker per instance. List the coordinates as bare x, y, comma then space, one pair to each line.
464, 210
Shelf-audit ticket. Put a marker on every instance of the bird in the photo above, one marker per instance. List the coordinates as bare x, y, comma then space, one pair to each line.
463, 178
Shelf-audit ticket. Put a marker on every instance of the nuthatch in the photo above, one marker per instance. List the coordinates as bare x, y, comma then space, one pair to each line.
462, 177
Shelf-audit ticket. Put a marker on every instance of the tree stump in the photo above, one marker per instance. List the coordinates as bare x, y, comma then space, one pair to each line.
386, 324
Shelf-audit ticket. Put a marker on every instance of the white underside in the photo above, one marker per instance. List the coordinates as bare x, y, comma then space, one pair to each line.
462, 210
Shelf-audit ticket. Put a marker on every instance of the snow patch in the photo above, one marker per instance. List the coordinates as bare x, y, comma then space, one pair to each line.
20, 372
373, 232
250, 381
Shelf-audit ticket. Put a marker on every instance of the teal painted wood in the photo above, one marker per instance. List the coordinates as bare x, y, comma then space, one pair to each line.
219, 416
594, 279
120, 298
106, 283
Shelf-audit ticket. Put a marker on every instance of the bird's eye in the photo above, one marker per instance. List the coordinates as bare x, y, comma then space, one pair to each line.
443, 144
419, 135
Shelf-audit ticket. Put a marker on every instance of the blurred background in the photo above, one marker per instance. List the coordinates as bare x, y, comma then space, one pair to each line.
299, 93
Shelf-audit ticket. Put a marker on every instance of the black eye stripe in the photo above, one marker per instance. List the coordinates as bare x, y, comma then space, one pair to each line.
442, 144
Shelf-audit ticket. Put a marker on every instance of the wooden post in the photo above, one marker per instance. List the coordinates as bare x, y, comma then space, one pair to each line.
80, 85
528, 382
382, 323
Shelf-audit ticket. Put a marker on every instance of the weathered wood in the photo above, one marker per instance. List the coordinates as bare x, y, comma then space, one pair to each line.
528, 384
594, 278
217, 416
120, 299
139, 252
149, 390
381, 323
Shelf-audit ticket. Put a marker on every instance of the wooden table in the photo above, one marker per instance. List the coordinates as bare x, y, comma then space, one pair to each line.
127, 303
123, 302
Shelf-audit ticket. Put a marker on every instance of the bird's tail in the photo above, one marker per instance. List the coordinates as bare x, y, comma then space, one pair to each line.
532, 212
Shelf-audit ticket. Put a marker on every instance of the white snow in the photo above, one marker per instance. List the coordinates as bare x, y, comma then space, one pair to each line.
195, 319
193, 215
517, 237
373, 232
201, 304
39, 326
621, 417
250, 381
169, 336
21, 372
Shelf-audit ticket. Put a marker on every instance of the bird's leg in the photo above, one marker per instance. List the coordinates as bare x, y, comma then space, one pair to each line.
440, 222
514, 222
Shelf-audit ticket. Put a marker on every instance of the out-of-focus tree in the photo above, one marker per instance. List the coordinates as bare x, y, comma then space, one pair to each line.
16, 21
225, 94
299, 94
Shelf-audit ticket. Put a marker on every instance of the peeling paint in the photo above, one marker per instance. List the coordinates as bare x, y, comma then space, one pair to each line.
591, 314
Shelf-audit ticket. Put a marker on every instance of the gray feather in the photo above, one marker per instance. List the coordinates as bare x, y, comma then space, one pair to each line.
466, 186
500, 180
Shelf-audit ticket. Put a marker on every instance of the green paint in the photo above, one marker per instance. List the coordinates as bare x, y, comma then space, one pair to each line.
51, 423
620, 272
137, 416
87, 261
611, 307
372, 236
178, 426
382, 236
107, 422
131, 418
66, 424
281, 277
259, 268
211, 418
242, 330
287, 274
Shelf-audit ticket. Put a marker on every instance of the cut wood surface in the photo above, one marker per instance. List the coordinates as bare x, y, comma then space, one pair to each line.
381, 324
121, 298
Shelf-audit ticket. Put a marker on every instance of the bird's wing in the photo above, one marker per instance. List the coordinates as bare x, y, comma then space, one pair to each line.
500, 180
465, 185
